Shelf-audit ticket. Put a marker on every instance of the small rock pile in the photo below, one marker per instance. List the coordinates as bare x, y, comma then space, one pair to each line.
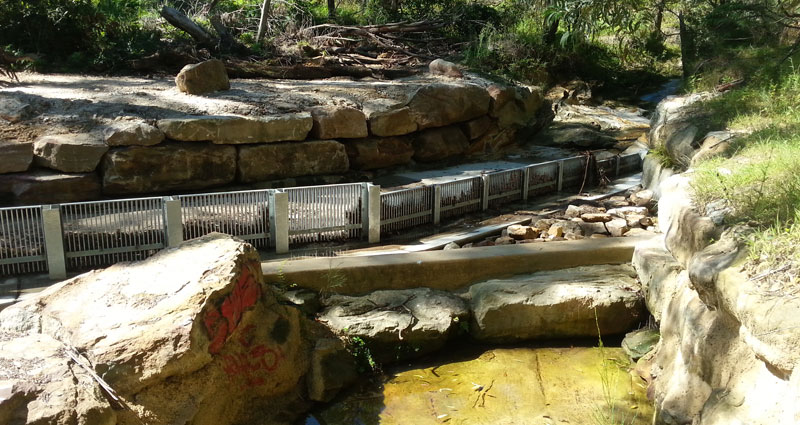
616, 216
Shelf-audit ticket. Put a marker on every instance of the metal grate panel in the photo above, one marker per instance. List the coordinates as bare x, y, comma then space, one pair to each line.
542, 178
461, 196
406, 208
22, 248
325, 213
574, 171
98, 234
242, 214
505, 186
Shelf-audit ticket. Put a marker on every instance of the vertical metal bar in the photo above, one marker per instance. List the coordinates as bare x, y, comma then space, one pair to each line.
279, 221
560, 175
437, 204
485, 194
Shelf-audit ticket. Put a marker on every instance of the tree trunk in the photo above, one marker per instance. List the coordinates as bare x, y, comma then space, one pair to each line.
659, 17
180, 21
687, 48
331, 9
262, 23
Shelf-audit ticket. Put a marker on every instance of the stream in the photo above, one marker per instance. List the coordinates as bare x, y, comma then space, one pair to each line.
518, 385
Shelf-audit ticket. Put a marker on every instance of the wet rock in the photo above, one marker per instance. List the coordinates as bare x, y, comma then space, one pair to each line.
16, 157
238, 130
393, 122
443, 67
70, 153
439, 143
618, 123
640, 342
379, 152
132, 134
397, 324
282, 160
170, 166
47, 187
338, 123
575, 135
333, 369
557, 304
520, 232
438, 105
188, 334
305, 300
203, 77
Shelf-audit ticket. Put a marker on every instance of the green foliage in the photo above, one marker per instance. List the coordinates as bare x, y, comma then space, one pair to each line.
363, 355
609, 413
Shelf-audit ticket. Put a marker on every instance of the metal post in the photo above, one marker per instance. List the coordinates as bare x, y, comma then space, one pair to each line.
173, 225
560, 175
372, 217
485, 195
437, 204
54, 241
526, 182
279, 221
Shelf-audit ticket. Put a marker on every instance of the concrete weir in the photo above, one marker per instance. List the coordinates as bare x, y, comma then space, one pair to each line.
445, 270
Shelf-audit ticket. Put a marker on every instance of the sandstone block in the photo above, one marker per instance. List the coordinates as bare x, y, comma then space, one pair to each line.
238, 130
70, 153
477, 127
203, 77
439, 143
443, 67
379, 152
333, 368
520, 232
618, 227
338, 123
48, 187
562, 303
282, 160
394, 122
132, 134
438, 105
171, 166
16, 157
596, 217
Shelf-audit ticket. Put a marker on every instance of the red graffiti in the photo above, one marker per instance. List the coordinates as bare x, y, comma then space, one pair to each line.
252, 365
221, 323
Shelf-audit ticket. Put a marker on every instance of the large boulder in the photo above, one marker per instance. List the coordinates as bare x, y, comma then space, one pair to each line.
190, 335
338, 123
443, 67
132, 134
17, 157
203, 77
282, 160
70, 153
170, 166
379, 152
47, 187
715, 143
397, 324
238, 130
675, 126
557, 304
392, 122
513, 106
439, 143
578, 135
438, 105
619, 123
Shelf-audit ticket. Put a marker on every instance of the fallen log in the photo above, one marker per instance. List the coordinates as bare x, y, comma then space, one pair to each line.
182, 22
244, 69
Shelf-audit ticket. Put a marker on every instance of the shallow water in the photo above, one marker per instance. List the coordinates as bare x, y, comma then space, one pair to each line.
501, 386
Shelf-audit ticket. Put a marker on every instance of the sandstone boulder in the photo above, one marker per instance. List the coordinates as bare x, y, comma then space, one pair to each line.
575, 135
238, 130
171, 166
640, 342
282, 160
513, 106
520, 232
397, 324
622, 124
557, 304
658, 271
379, 152
392, 122
132, 134
477, 127
438, 105
47, 187
70, 153
443, 67
439, 143
338, 123
642, 198
618, 227
600, 217
14, 110
333, 368
674, 125
495, 139
203, 77
190, 335
715, 143
16, 157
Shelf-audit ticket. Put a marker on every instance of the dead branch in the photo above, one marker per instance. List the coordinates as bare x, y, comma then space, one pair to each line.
177, 19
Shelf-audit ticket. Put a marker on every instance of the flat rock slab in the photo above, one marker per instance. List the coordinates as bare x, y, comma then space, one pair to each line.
47, 187
238, 130
132, 134
70, 153
397, 324
282, 160
379, 152
15, 157
438, 105
338, 123
557, 304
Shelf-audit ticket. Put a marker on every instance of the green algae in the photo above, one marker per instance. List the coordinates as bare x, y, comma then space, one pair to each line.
503, 386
